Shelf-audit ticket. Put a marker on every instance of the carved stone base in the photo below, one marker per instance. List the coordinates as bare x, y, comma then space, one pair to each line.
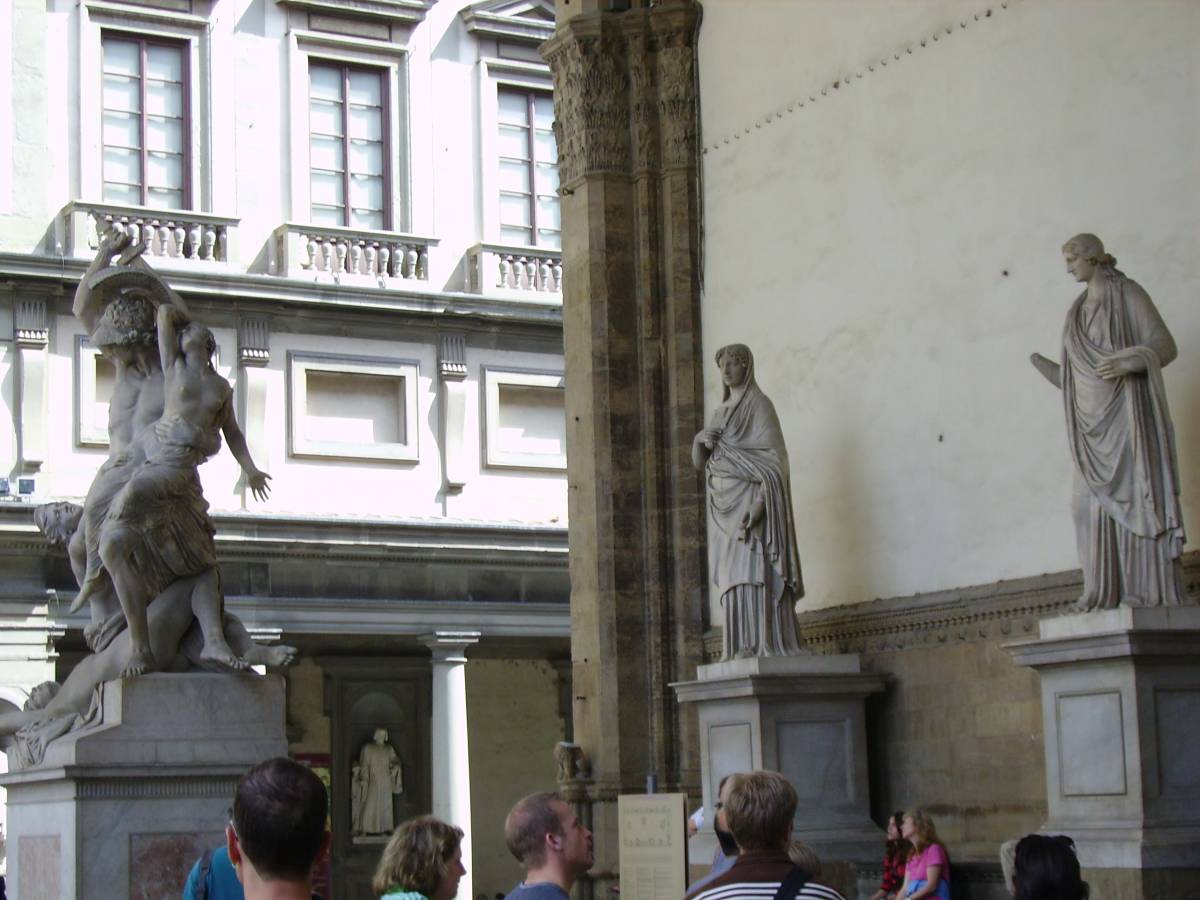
1121, 711
802, 716
123, 808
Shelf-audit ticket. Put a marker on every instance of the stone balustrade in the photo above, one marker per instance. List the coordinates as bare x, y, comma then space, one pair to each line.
514, 271
170, 236
349, 255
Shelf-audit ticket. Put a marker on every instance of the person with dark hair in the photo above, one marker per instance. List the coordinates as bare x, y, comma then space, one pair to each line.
727, 849
895, 855
422, 861
1046, 868
760, 810
545, 835
278, 830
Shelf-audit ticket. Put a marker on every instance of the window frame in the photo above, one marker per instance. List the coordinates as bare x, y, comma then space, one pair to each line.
299, 364
143, 41
385, 131
391, 60
495, 457
87, 434
496, 75
204, 153
530, 97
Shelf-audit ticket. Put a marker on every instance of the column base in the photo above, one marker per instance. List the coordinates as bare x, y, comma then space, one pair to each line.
124, 807
802, 716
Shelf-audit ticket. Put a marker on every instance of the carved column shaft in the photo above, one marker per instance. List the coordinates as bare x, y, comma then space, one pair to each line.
627, 158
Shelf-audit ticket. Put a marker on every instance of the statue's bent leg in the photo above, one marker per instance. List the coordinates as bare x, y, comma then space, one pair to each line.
207, 608
116, 552
253, 652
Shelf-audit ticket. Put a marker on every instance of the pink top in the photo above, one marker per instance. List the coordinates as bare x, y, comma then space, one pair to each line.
933, 855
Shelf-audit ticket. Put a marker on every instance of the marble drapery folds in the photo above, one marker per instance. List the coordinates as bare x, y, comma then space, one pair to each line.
756, 569
1125, 504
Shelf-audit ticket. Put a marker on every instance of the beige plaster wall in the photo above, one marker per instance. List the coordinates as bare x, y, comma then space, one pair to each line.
890, 251
512, 716
959, 732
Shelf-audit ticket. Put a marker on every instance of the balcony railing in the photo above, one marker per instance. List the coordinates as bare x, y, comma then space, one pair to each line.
503, 270
349, 256
171, 237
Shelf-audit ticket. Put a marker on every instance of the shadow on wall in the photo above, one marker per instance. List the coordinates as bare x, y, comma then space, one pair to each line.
848, 520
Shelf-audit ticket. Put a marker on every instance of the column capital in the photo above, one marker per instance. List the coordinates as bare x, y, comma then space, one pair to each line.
450, 646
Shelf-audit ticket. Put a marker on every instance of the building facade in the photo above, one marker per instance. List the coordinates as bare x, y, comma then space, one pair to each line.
360, 200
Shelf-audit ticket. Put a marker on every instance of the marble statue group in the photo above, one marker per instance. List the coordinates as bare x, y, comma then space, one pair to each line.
142, 544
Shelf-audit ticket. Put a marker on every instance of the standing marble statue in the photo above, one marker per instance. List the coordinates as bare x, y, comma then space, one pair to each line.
379, 776
752, 542
1125, 497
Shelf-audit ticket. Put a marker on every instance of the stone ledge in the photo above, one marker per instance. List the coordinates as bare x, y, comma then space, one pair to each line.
1007, 610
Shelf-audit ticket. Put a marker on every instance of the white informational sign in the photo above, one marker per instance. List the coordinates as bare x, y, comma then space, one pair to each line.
653, 833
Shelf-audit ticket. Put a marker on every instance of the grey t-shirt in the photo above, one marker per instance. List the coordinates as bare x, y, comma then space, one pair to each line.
543, 890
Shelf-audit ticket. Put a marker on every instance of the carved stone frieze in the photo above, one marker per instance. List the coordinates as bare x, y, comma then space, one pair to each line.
591, 105
254, 339
30, 328
1004, 610
675, 39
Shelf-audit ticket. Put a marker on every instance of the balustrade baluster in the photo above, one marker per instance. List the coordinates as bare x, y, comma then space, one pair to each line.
557, 268
372, 255
341, 257
210, 241
147, 236
132, 230
423, 264
543, 275
411, 258
385, 258
329, 255
193, 241
505, 271
164, 239
356, 254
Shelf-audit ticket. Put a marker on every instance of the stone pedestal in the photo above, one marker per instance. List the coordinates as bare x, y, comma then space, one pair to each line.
1121, 710
802, 716
123, 808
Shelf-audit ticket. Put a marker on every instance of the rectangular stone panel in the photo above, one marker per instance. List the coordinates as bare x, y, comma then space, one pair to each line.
159, 863
1091, 744
815, 756
730, 750
1177, 718
40, 861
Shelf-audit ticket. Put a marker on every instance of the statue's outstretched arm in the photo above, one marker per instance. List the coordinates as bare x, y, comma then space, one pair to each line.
170, 318
237, 446
88, 308
1050, 370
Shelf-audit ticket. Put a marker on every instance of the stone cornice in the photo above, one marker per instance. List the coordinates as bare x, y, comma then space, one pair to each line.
1004, 610
257, 537
264, 293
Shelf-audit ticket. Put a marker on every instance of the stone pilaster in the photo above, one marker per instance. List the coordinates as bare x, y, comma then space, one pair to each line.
452, 409
451, 761
31, 333
625, 111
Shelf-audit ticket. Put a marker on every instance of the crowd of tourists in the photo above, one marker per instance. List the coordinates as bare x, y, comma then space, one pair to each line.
277, 835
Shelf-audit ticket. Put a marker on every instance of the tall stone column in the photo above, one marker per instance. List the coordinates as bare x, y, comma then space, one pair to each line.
626, 117
451, 761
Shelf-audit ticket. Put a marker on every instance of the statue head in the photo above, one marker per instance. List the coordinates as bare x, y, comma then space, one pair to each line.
1084, 253
381, 736
58, 521
197, 339
41, 695
736, 363
127, 324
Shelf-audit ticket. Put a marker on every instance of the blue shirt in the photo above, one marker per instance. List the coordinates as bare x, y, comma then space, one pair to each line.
543, 890
222, 881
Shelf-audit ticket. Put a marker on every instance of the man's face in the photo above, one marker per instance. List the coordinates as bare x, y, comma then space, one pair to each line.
576, 840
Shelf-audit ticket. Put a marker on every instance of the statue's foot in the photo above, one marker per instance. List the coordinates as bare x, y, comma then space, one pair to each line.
218, 657
140, 662
279, 655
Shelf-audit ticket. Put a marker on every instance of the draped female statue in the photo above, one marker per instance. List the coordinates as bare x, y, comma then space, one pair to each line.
752, 542
1125, 499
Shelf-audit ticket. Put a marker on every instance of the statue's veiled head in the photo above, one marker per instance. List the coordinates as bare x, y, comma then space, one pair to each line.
736, 363
381, 736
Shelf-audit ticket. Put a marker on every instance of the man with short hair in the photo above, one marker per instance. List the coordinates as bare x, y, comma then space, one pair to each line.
278, 830
551, 844
760, 809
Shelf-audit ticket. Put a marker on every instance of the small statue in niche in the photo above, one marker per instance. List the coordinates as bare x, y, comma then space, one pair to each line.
752, 550
571, 762
378, 777
1125, 497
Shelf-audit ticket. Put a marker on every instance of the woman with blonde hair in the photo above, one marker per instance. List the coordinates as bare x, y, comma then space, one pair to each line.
422, 861
927, 873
